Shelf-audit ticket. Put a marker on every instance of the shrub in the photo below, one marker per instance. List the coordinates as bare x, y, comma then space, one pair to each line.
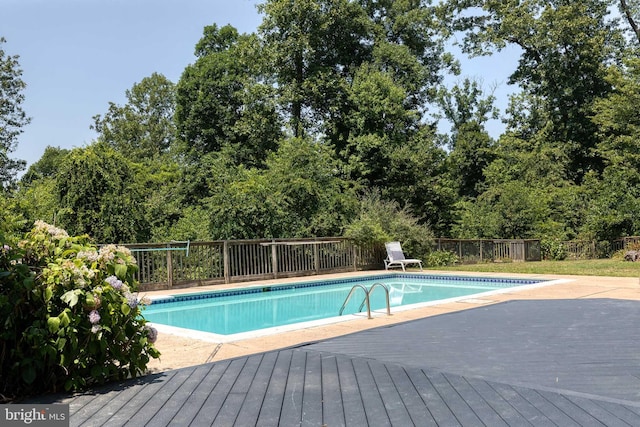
442, 259
553, 250
381, 221
71, 318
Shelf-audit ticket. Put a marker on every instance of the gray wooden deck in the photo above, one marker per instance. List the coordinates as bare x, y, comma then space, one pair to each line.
541, 363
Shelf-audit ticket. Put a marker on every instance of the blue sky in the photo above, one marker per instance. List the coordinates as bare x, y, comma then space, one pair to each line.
78, 55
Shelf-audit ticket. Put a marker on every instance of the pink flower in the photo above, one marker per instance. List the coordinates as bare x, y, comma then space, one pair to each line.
94, 317
152, 333
114, 282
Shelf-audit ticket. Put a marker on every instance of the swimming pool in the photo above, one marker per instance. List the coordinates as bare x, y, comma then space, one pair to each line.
232, 312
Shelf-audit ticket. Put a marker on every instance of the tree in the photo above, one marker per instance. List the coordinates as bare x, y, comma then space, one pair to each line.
12, 116
613, 207
565, 46
223, 101
617, 118
313, 46
300, 193
143, 128
98, 196
507, 211
471, 147
46, 167
631, 11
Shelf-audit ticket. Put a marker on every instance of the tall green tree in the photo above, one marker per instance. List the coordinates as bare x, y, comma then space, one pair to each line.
471, 147
313, 46
12, 117
565, 46
320, 47
300, 193
223, 99
143, 128
615, 199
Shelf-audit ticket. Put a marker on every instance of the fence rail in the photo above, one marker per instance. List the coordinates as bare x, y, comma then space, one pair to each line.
180, 264
471, 251
177, 264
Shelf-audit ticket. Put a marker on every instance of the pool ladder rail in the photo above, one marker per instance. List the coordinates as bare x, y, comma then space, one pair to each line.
367, 301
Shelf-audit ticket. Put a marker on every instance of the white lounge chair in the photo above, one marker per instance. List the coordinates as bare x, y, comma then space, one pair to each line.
395, 257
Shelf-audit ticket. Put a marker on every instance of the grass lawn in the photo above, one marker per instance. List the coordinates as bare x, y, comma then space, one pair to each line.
594, 267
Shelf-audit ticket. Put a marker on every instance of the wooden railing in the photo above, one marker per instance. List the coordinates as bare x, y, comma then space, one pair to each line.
580, 249
624, 243
483, 250
177, 264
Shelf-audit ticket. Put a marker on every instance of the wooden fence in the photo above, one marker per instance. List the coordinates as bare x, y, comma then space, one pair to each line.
480, 250
178, 264
181, 264
590, 249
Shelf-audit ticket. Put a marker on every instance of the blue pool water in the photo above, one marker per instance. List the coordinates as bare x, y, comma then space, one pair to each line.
255, 308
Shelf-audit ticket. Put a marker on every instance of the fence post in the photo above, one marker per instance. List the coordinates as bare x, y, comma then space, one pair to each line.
316, 256
169, 267
355, 255
481, 250
274, 259
225, 262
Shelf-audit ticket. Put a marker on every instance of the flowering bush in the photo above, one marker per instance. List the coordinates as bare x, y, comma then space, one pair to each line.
70, 314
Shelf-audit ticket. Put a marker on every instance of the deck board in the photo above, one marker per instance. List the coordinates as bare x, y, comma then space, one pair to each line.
407, 374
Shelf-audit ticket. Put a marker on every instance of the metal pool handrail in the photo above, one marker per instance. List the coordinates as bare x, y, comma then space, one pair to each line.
367, 301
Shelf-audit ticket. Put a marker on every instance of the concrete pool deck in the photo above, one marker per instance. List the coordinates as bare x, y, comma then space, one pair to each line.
180, 351
567, 354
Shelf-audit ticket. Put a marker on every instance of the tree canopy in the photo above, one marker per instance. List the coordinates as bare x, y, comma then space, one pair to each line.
333, 107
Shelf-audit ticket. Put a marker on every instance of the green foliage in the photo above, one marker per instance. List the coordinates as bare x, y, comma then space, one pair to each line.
98, 196
509, 211
144, 127
12, 116
441, 259
70, 315
612, 210
223, 101
300, 193
356, 82
564, 48
46, 167
381, 221
553, 250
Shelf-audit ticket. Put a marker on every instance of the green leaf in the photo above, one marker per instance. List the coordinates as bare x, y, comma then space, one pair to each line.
61, 342
48, 293
121, 271
71, 297
91, 302
125, 308
96, 371
64, 318
53, 323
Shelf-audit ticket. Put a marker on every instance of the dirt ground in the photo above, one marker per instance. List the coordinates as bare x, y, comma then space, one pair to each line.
179, 351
